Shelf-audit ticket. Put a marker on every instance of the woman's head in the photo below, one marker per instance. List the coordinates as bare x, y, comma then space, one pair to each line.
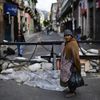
68, 35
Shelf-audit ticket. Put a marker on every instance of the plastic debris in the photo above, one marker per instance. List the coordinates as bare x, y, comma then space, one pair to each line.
7, 71
34, 67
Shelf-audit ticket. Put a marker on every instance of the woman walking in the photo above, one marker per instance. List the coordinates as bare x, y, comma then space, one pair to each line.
69, 60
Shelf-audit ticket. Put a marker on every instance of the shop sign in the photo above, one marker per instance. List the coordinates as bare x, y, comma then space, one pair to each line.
10, 9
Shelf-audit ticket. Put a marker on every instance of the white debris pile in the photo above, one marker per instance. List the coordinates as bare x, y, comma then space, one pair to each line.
46, 80
88, 52
43, 79
34, 67
37, 59
6, 65
41, 74
81, 51
40, 66
36, 75
7, 71
20, 58
89, 65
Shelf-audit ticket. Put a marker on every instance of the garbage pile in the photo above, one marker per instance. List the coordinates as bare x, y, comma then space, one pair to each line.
41, 74
37, 75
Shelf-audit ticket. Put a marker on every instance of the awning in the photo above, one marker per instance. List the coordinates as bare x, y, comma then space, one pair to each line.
30, 11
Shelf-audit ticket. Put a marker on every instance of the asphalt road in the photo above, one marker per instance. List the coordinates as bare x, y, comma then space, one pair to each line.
10, 90
42, 50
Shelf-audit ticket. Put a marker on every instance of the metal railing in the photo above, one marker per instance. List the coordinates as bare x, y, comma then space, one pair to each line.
54, 55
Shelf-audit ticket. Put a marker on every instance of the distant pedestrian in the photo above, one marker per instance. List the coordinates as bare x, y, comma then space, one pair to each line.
20, 38
69, 60
78, 32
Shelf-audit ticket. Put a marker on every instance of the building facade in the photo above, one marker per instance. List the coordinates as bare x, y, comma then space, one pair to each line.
80, 13
16, 17
53, 16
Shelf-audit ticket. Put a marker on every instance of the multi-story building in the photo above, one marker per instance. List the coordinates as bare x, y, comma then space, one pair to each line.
94, 21
16, 16
53, 16
26, 17
84, 13
43, 16
67, 14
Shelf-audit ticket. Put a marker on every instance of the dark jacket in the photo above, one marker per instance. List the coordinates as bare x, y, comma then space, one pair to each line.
20, 38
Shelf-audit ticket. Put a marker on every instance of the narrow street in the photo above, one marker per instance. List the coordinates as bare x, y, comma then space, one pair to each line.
10, 90
43, 50
32, 36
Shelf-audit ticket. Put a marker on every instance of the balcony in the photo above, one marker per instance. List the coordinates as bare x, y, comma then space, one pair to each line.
66, 7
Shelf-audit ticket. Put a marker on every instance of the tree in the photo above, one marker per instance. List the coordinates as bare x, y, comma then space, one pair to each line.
46, 23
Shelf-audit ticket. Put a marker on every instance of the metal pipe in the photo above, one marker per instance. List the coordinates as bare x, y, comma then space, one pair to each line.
46, 42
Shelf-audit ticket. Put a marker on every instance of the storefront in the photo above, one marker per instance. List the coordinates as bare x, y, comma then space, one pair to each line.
10, 17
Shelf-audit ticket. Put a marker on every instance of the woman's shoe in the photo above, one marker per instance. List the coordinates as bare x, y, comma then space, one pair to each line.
70, 94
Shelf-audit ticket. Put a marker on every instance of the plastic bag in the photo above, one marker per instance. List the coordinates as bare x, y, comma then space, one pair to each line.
75, 80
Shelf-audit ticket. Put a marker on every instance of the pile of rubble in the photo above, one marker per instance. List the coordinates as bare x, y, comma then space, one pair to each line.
41, 74
36, 75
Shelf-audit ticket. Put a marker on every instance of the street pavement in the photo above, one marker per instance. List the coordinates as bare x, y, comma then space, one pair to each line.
10, 90
42, 50
28, 36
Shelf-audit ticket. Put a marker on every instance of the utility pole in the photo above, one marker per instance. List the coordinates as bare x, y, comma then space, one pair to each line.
73, 24
94, 18
12, 28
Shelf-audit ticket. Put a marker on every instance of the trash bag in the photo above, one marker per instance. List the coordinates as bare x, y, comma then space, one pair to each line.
76, 80
9, 51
